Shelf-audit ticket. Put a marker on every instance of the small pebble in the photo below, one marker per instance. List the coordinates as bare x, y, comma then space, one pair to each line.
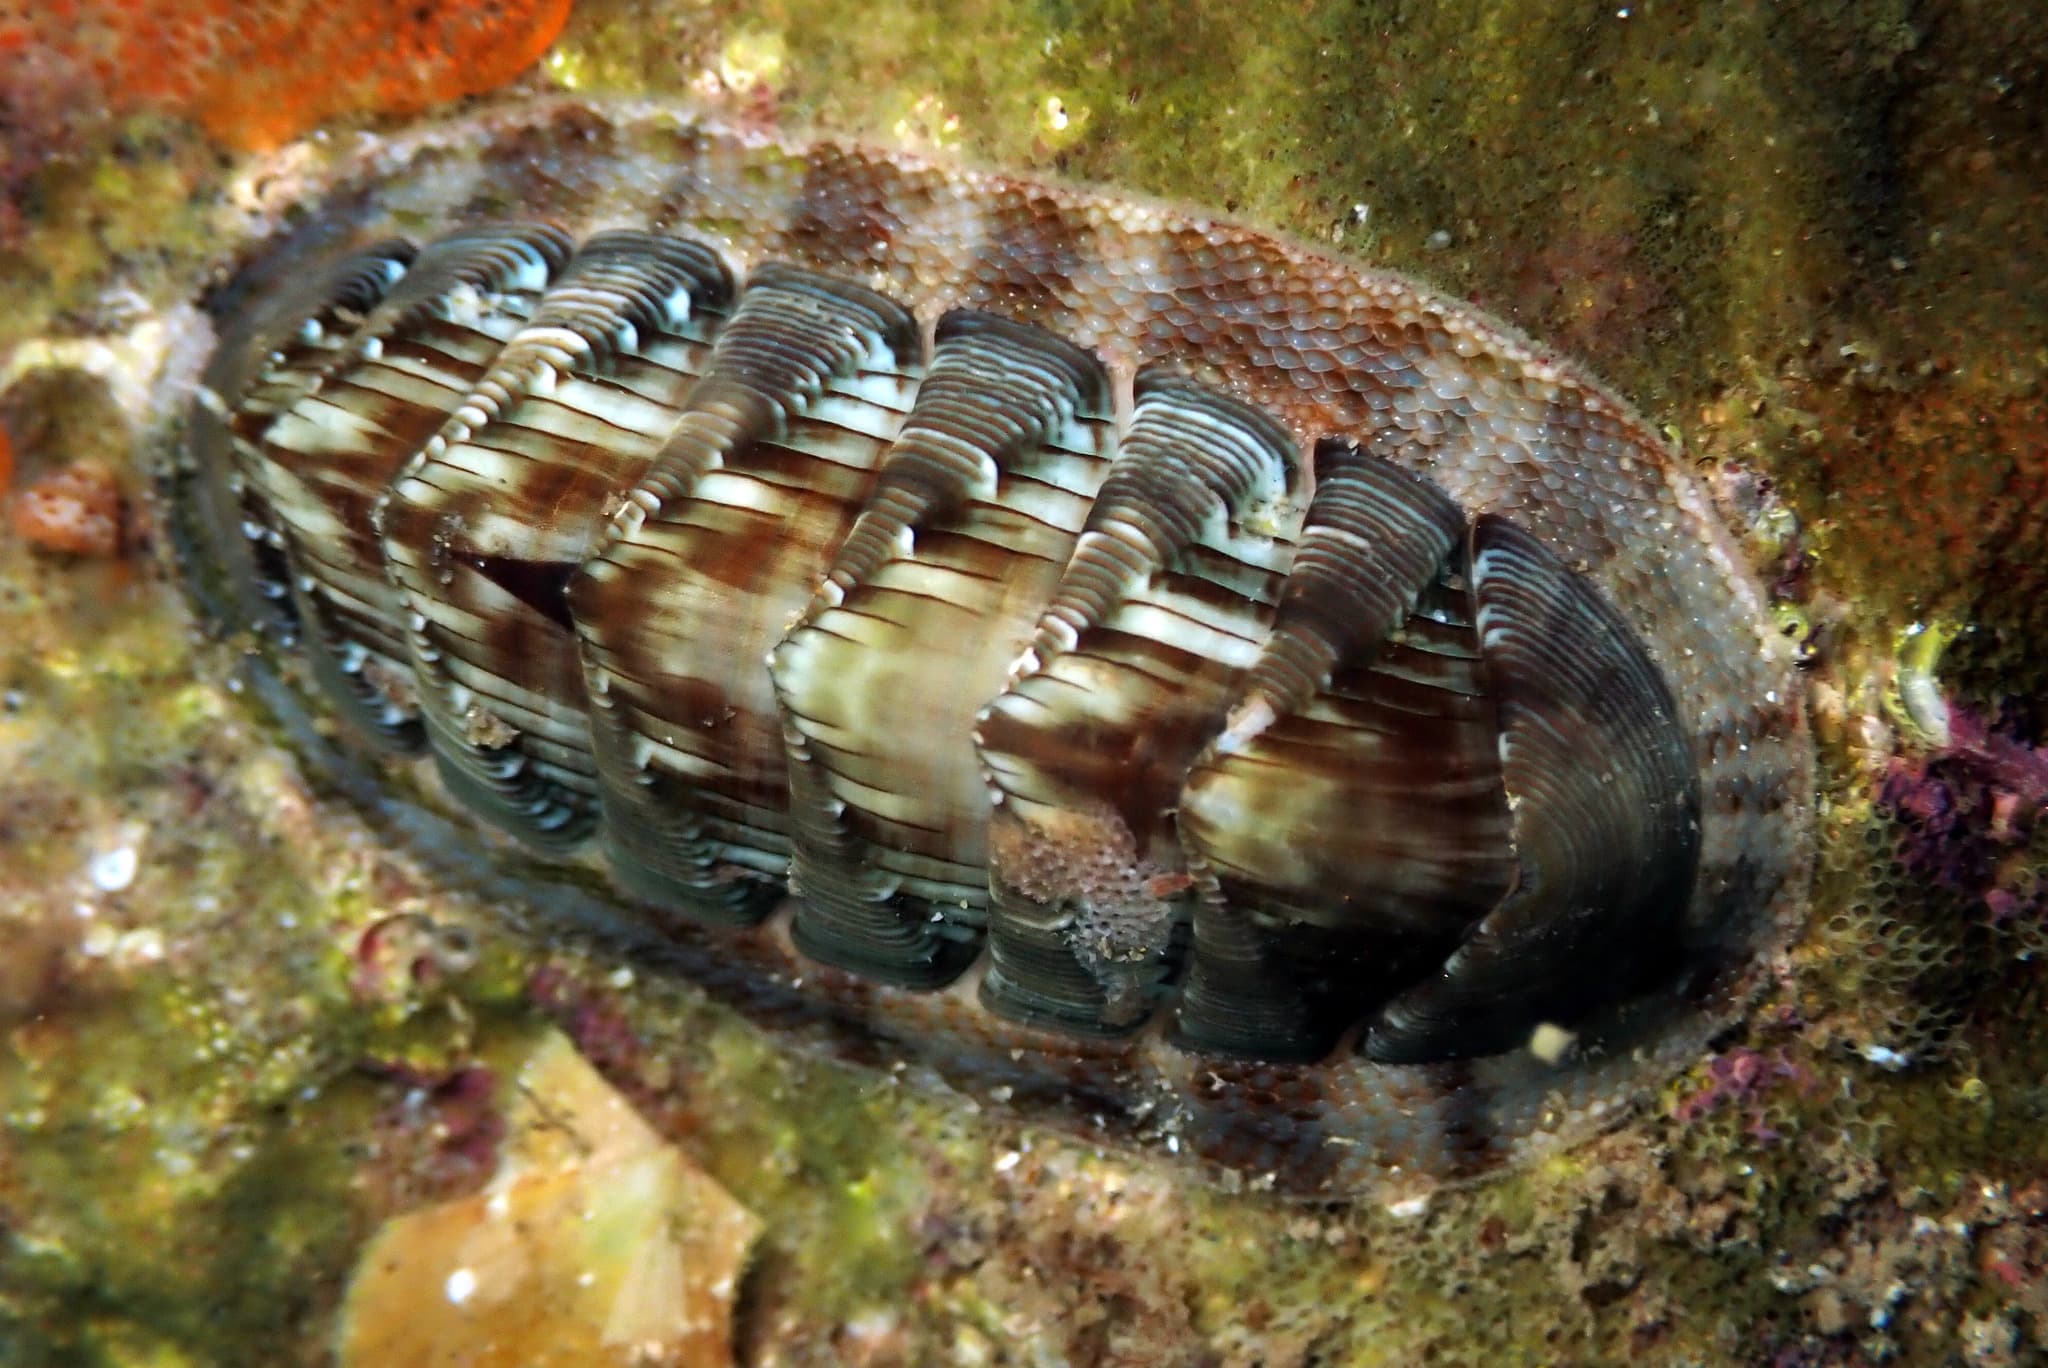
113, 870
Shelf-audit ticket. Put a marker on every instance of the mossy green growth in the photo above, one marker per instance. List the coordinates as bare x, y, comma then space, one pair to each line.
180, 1110
184, 1212
115, 211
1660, 188
827, 1149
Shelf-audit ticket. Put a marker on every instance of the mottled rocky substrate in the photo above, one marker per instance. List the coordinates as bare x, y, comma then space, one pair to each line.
241, 1033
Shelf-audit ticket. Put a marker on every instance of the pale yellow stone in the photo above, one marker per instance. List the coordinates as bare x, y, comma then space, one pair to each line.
1549, 1041
595, 1243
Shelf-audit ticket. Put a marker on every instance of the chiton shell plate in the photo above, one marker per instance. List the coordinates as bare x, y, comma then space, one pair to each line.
1184, 684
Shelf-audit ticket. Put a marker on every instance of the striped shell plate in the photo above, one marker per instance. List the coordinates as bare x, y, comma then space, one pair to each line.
1185, 684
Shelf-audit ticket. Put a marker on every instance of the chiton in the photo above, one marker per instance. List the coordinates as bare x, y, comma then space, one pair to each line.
1153, 672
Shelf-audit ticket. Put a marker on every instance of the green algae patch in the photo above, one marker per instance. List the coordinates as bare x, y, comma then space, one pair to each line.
160, 1174
180, 1095
834, 1153
831, 1152
112, 211
179, 1207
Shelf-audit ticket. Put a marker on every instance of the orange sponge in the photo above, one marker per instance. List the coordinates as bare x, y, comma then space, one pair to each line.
255, 73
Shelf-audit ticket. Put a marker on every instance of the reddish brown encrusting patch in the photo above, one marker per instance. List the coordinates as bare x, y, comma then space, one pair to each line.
402, 953
600, 1028
46, 99
1739, 1080
437, 1138
1947, 481
1968, 812
256, 74
1592, 293
76, 511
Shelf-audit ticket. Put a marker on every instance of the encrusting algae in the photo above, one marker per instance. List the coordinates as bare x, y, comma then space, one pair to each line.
1811, 241
254, 73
